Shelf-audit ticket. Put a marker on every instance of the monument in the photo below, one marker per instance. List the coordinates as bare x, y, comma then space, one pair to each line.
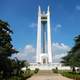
44, 50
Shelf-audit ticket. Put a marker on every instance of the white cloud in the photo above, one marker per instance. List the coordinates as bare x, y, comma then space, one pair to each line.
59, 50
78, 7
58, 27
29, 52
32, 25
29, 49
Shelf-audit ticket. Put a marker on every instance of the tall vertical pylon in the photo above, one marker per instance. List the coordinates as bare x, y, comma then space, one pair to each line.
44, 50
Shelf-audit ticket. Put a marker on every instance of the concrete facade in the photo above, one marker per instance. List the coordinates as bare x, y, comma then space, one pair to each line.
44, 50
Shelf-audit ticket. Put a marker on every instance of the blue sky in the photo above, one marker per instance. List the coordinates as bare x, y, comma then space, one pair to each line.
22, 16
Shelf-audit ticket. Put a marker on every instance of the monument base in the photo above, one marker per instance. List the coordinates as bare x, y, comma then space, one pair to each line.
48, 66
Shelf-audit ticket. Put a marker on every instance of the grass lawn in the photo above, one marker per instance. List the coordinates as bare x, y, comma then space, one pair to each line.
72, 75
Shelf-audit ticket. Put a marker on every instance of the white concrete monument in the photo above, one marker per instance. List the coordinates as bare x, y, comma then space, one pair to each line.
44, 50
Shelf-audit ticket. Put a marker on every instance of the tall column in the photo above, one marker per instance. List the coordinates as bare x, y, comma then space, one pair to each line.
39, 36
49, 36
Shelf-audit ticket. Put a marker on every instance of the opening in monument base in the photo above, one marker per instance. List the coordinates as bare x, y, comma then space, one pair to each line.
45, 60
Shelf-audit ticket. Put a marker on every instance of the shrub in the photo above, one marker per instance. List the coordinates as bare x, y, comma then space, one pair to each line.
36, 70
23, 76
55, 70
15, 78
28, 73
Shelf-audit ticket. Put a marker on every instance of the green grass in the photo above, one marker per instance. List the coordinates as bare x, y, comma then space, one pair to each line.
71, 75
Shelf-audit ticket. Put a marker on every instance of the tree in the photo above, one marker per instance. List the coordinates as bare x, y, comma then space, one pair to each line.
10, 69
6, 50
73, 57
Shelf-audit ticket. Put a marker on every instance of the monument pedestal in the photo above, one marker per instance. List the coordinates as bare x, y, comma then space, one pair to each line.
44, 66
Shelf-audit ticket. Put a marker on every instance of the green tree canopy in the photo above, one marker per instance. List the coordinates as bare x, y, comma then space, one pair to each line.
73, 57
6, 49
9, 67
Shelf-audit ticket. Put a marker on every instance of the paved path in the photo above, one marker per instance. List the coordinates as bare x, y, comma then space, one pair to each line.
49, 76
55, 77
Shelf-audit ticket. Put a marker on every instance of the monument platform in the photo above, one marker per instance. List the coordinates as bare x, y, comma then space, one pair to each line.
48, 66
